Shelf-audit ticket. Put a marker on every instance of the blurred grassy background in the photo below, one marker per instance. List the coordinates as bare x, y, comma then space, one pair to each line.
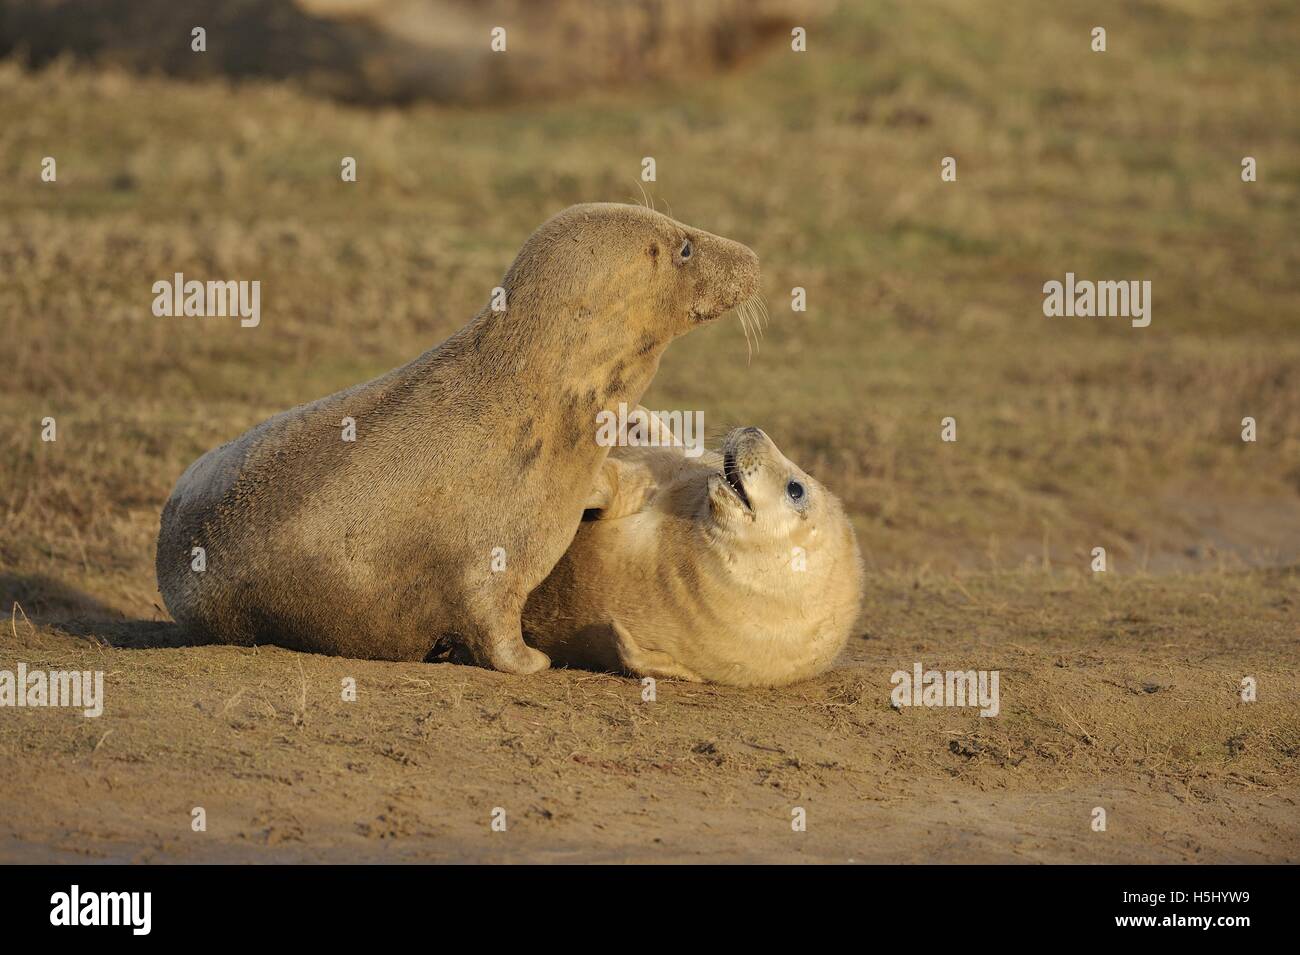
924, 297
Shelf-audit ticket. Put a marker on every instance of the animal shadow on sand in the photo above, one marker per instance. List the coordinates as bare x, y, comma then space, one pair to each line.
51, 603
47, 602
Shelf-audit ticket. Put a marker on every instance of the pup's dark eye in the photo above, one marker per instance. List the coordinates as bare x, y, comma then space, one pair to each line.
795, 490
687, 248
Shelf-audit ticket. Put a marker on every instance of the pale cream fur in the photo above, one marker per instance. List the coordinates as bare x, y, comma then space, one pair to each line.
679, 578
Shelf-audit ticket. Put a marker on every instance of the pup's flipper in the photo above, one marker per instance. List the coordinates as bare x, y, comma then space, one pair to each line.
622, 488
653, 663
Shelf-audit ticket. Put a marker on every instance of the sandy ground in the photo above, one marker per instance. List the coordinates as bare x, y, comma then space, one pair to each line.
1135, 712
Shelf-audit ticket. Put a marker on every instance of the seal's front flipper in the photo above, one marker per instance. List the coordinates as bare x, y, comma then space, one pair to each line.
660, 432
654, 663
504, 649
622, 488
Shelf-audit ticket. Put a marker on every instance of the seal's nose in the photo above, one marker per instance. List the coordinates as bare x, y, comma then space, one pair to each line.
727, 275
748, 444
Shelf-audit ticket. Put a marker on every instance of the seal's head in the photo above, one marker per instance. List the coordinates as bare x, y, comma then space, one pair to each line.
758, 499
605, 268
790, 558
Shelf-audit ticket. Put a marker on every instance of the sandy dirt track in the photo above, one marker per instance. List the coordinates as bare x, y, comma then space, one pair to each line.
1135, 712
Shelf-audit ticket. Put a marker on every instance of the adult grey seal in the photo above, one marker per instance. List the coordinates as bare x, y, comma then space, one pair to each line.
471, 466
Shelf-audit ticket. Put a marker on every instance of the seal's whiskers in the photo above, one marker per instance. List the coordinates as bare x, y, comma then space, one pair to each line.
748, 343
756, 315
753, 316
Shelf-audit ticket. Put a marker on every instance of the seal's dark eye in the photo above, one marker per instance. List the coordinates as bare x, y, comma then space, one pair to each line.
687, 248
795, 490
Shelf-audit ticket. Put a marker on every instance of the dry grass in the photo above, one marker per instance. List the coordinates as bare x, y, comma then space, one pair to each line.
925, 297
